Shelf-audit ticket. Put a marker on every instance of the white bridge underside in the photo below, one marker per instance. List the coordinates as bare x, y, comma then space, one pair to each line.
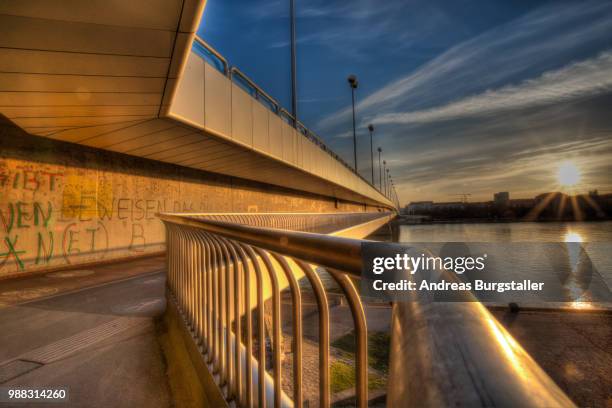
108, 74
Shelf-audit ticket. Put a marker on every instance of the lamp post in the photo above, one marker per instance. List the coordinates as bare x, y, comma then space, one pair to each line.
379, 170
371, 129
385, 178
352, 80
293, 64
388, 183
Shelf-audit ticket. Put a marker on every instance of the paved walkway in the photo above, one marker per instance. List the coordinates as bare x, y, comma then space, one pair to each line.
99, 342
574, 348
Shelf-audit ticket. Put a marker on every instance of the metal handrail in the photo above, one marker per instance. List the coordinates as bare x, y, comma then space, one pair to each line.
286, 116
449, 354
346, 254
258, 91
210, 267
216, 53
229, 72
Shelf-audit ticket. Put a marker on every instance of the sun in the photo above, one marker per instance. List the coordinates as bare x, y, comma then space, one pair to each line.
568, 174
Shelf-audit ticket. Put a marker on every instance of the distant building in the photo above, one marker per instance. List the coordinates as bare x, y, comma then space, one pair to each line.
450, 205
502, 198
522, 203
419, 206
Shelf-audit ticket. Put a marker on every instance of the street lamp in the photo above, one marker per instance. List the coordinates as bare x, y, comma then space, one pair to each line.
379, 170
293, 64
371, 129
388, 182
385, 178
352, 80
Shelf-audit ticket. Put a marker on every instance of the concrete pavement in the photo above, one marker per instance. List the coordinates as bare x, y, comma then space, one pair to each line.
99, 342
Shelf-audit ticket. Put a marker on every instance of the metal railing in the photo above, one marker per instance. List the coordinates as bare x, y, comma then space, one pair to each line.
211, 265
220, 274
321, 223
206, 51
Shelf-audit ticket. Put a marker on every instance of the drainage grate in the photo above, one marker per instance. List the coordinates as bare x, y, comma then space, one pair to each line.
63, 348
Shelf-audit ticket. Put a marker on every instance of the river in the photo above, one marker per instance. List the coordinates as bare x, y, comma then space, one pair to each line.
524, 250
509, 232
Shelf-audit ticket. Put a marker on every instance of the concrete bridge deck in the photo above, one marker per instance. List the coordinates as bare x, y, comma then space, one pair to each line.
122, 76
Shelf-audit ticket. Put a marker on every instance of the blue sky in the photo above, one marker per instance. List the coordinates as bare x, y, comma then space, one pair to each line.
465, 96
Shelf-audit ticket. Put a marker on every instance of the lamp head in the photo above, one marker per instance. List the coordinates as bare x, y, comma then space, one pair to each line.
371, 127
352, 80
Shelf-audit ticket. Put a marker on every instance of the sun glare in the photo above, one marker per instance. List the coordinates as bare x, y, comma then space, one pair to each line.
572, 236
568, 174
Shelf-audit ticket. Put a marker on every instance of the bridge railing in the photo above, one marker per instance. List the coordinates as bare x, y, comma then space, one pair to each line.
216, 263
215, 59
222, 270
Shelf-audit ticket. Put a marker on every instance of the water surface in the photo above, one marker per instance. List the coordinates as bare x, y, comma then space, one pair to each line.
520, 253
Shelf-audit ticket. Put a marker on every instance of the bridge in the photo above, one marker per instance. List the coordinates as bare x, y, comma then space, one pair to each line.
169, 231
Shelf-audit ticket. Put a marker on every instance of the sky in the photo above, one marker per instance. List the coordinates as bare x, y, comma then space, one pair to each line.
465, 96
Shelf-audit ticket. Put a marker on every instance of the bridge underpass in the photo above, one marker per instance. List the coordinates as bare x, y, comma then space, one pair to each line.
111, 113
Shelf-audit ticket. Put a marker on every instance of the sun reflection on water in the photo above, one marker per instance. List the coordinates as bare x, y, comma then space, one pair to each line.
573, 285
581, 305
572, 236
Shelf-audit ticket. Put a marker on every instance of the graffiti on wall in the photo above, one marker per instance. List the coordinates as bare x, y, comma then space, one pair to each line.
52, 216
61, 214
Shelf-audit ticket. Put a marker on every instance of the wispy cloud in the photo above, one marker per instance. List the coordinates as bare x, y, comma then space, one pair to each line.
353, 28
585, 78
540, 41
353, 10
496, 112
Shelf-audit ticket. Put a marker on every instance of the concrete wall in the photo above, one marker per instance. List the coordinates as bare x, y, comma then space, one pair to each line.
64, 204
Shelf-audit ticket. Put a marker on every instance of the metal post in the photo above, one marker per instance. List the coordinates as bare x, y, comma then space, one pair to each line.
293, 64
352, 80
379, 171
385, 178
371, 129
388, 182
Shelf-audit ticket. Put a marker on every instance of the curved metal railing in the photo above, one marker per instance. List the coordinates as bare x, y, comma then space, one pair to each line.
213, 263
220, 273
321, 223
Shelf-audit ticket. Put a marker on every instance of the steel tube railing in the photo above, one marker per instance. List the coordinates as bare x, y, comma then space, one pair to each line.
441, 353
215, 53
346, 255
259, 93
